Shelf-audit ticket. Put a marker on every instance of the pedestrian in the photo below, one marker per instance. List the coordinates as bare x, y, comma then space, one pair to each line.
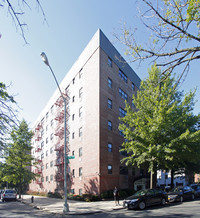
116, 195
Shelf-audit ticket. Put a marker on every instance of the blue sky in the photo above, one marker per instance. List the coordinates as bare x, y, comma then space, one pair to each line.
71, 25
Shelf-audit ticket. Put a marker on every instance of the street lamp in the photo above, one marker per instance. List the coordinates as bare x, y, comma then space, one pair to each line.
66, 206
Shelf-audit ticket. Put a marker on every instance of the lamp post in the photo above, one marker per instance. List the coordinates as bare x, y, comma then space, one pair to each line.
66, 206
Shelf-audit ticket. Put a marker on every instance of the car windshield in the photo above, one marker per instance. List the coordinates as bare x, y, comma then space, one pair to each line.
141, 192
10, 191
176, 189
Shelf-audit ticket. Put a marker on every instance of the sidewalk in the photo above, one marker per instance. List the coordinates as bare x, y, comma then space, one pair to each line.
54, 205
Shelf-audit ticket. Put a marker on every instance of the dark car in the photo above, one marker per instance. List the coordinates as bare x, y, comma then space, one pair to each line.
181, 194
145, 198
196, 188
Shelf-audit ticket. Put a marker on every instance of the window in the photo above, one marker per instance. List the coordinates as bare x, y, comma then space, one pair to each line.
121, 133
47, 153
47, 178
42, 145
72, 191
133, 86
109, 125
80, 171
51, 136
42, 179
52, 122
123, 170
80, 132
109, 147
73, 172
80, 191
51, 150
123, 76
109, 103
109, 83
122, 112
73, 99
73, 135
109, 169
42, 121
47, 140
80, 152
80, 73
42, 167
80, 111
81, 92
47, 115
51, 177
51, 164
73, 153
73, 115
47, 165
109, 62
42, 132
42, 156
124, 153
73, 81
52, 110
46, 128
123, 94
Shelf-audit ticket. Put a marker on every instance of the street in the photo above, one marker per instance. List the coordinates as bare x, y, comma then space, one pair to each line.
18, 209
186, 209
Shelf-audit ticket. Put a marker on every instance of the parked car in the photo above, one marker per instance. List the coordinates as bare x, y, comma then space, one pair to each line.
181, 194
145, 198
196, 188
9, 194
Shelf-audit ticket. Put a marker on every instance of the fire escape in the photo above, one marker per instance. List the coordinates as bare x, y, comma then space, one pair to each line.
38, 149
59, 132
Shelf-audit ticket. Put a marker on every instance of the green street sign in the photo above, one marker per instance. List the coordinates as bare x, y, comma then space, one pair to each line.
70, 157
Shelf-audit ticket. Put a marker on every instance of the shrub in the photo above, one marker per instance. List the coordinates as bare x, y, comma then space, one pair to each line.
123, 193
36, 193
54, 195
107, 194
84, 197
95, 198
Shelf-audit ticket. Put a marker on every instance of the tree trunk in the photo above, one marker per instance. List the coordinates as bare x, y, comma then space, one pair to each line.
20, 185
172, 178
153, 177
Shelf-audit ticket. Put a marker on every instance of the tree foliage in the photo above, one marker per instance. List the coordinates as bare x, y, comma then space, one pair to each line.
174, 41
7, 115
16, 9
161, 130
19, 159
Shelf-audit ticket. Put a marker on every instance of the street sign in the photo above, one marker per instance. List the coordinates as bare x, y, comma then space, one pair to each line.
70, 157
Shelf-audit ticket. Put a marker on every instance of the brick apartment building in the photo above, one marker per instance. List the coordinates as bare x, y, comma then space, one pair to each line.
96, 87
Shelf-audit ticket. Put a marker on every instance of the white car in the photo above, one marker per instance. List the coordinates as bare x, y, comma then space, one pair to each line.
9, 194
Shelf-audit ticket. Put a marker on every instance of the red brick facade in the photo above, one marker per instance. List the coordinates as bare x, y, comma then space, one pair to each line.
88, 133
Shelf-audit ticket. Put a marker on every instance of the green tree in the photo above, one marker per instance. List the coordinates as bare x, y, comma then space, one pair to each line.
172, 37
160, 130
19, 159
7, 116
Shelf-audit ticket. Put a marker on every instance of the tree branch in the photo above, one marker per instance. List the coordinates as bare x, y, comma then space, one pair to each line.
170, 23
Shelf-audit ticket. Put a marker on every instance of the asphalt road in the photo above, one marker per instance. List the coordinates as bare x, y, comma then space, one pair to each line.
188, 209
18, 209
